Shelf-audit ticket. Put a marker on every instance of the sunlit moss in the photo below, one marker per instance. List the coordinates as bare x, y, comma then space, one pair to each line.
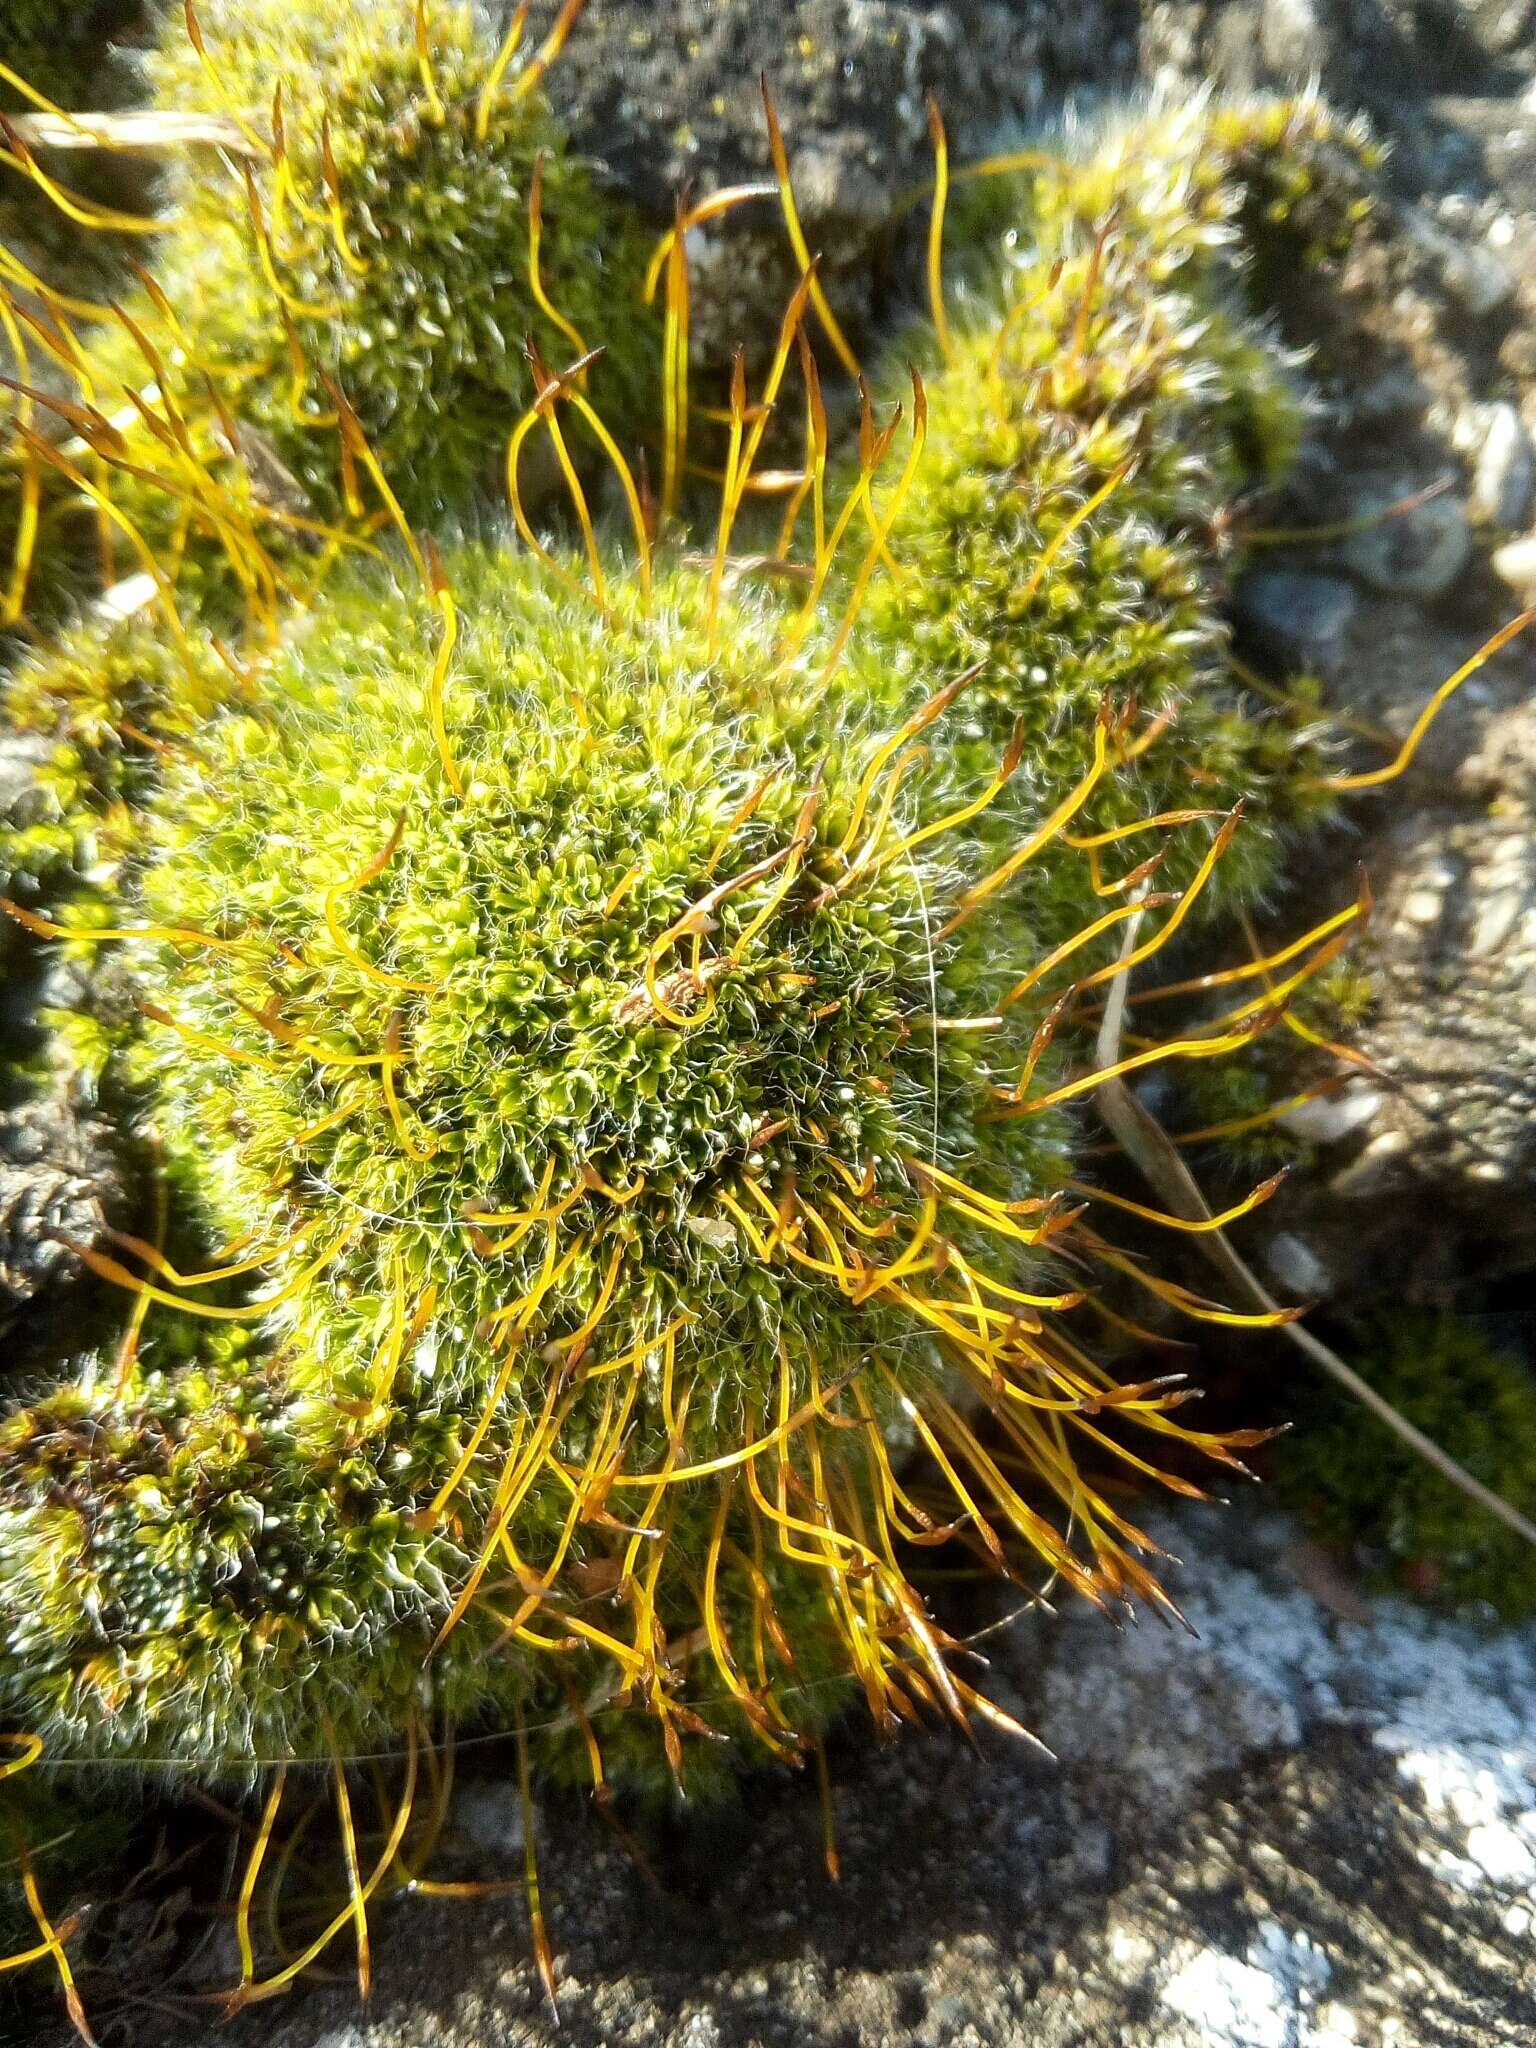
598, 1057
1102, 402
367, 225
401, 237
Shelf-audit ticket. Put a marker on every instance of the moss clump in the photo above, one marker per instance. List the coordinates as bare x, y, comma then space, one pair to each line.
1138, 360
1358, 1486
370, 228
619, 1148
112, 699
400, 233
234, 1542
1105, 348
568, 1029
601, 1090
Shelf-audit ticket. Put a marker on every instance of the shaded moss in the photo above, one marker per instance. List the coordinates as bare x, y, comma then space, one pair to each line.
59, 48
1359, 1486
111, 699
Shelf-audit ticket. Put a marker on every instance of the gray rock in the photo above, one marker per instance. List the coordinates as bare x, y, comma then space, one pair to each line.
1292, 1262
58, 1175
1296, 619
1395, 398
21, 755
1246, 43
1477, 277
22, 803
1452, 959
1331, 1118
1504, 471
1497, 27
1389, 54
1416, 554
1293, 38
668, 96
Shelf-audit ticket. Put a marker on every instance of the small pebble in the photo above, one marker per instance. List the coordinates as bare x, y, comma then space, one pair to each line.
1296, 1267
1423, 906
1374, 1171
1505, 471
21, 755
1515, 564
1497, 916
1418, 553
1328, 1118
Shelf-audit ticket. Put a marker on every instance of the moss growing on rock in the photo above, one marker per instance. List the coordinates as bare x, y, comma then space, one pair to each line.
398, 215
569, 1054
1357, 1486
591, 1028
569, 1017
111, 699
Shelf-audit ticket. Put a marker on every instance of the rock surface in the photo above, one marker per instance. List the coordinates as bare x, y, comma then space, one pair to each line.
1423, 1178
59, 1178
1291, 1831
1423, 447
1296, 620
668, 98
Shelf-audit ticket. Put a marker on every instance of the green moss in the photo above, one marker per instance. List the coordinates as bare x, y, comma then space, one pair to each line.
422, 316
569, 1080
110, 699
494, 974
242, 1572
1213, 1094
1107, 339
1359, 1486
398, 269
58, 49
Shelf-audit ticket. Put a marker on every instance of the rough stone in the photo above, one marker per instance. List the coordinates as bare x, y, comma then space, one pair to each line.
1477, 277
1452, 960
1497, 27
1417, 553
669, 96
1291, 1261
21, 755
1515, 564
1296, 620
58, 1174
1331, 1118
1389, 54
